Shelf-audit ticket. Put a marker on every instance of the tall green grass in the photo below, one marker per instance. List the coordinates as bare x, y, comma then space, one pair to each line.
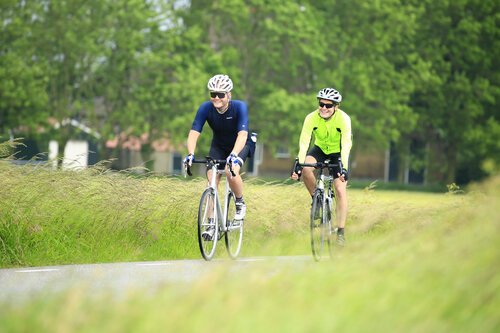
414, 262
57, 217
52, 217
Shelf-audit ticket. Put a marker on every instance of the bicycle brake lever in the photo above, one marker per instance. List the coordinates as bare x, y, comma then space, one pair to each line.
231, 170
187, 168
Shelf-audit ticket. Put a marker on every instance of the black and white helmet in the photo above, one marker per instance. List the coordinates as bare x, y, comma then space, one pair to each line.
220, 83
330, 94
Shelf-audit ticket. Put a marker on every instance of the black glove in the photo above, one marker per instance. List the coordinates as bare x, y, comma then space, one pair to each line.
297, 168
344, 173
298, 171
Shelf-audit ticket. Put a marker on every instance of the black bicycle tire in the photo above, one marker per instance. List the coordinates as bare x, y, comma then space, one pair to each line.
233, 254
317, 245
206, 255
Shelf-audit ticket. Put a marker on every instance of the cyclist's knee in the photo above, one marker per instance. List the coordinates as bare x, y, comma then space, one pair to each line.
340, 185
307, 172
341, 192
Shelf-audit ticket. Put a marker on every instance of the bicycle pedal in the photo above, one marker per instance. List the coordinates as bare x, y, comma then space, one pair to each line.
207, 238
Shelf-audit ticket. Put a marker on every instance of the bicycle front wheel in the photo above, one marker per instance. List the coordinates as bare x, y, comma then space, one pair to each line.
328, 229
234, 233
317, 226
208, 227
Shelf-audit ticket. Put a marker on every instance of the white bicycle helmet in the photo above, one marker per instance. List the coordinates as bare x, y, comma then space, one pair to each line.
220, 83
330, 94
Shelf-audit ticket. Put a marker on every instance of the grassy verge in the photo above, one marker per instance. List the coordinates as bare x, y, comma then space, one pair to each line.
52, 217
414, 262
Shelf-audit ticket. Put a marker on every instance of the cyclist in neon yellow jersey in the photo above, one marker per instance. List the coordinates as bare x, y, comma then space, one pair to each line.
331, 129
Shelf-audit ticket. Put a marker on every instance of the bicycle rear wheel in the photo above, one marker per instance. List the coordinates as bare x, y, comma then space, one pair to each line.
234, 233
208, 227
317, 226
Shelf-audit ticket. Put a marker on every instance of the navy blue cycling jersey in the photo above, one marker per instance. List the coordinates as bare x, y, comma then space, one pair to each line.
225, 126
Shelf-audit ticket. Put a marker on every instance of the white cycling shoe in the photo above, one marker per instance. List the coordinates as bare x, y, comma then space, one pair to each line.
241, 210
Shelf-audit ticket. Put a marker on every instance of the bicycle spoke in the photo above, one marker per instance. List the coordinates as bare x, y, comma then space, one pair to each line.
322, 213
317, 227
207, 225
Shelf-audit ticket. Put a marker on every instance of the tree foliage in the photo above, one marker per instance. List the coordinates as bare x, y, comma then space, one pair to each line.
408, 70
23, 96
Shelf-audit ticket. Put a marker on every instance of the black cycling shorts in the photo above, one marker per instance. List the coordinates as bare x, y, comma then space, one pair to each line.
320, 156
221, 153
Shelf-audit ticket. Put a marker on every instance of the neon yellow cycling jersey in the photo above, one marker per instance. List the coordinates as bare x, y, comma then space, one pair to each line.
331, 135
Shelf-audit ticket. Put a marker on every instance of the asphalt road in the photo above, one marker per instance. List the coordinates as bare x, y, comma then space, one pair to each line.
22, 284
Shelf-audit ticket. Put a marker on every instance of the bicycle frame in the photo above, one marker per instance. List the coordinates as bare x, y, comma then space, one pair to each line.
221, 215
214, 221
321, 229
320, 185
322, 179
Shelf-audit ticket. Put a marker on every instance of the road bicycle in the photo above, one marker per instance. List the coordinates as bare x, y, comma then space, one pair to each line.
216, 221
322, 208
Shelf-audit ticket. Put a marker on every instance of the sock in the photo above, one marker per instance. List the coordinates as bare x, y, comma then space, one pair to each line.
340, 231
239, 199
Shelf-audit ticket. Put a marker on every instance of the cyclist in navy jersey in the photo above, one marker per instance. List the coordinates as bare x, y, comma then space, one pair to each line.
228, 120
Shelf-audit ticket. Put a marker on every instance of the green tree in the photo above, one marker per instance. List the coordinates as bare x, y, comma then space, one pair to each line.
459, 41
372, 61
23, 99
291, 51
269, 49
409, 71
64, 48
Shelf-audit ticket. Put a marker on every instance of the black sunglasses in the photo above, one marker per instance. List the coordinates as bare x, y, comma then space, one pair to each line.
328, 106
221, 95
